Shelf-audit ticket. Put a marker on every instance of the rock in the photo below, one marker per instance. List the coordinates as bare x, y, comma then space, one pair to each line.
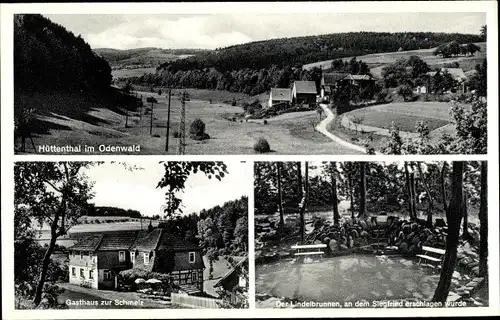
317, 242
343, 247
333, 245
472, 264
457, 275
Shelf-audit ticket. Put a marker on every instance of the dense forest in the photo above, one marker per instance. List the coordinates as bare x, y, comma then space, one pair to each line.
106, 211
49, 57
255, 67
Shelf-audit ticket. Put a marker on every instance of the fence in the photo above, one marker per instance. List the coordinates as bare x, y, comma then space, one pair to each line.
195, 302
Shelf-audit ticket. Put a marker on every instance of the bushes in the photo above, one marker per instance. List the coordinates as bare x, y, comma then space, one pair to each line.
262, 146
197, 130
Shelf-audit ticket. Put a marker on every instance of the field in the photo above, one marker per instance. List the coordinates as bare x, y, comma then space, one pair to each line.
127, 73
88, 123
405, 115
377, 61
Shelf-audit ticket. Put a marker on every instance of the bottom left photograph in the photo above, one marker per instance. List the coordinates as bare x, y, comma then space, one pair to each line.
149, 234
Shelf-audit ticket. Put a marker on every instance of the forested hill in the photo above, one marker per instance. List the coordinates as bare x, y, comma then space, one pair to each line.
301, 50
49, 57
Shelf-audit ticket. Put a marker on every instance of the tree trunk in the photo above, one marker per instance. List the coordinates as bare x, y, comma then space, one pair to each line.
454, 217
351, 196
303, 205
151, 121
281, 225
465, 225
408, 190
413, 195
429, 195
362, 186
336, 215
483, 220
46, 262
443, 187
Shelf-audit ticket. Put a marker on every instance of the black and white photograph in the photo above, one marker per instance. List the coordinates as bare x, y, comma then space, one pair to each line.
371, 234
251, 83
105, 235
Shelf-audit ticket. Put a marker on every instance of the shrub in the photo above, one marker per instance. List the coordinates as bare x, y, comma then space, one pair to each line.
197, 127
262, 146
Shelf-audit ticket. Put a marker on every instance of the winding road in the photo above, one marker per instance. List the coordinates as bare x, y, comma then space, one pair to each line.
322, 128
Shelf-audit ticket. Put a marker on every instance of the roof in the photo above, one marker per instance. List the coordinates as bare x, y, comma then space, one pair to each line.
281, 94
358, 77
161, 240
332, 77
89, 243
456, 73
305, 86
230, 272
118, 241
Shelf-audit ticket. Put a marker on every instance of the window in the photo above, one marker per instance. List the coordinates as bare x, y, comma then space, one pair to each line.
191, 257
91, 274
132, 257
81, 255
121, 256
146, 258
107, 275
194, 276
73, 271
82, 274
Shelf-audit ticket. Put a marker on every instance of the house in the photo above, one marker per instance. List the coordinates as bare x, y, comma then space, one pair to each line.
280, 96
234, 281
304, 92
361, 80
330, 81
458, 75
162, 252
96, 260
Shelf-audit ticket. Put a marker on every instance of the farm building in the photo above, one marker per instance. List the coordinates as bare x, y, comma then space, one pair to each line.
96, 260
457, 73
280, 96
361, 80
329, 81
234, 281
304, 92
161, 252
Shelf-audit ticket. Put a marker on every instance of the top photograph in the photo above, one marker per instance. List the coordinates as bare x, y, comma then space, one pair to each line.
250, 84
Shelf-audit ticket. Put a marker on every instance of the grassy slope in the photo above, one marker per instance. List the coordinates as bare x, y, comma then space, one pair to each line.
377, 61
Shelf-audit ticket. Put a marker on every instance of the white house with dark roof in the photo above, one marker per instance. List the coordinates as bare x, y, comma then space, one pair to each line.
280, 96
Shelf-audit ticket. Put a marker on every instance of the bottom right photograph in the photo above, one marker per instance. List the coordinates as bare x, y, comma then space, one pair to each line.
340, 234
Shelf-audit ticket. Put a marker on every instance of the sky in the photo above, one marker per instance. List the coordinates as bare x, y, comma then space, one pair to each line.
118, 187
210, 31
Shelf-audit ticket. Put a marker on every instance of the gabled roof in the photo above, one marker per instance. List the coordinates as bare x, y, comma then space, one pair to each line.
118, 241
281, 94
456, 73
236, 268
159, 239
89, 243
358, 77
331, 78
305, 87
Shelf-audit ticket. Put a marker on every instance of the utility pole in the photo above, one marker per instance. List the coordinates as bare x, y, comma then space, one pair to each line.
182, 125
168, 119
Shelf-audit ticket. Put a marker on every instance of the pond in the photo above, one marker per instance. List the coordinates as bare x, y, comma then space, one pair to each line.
348, 278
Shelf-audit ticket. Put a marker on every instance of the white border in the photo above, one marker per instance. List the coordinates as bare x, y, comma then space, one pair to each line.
7, 11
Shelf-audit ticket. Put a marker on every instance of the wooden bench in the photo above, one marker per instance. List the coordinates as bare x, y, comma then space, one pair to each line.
316, 247
433, 255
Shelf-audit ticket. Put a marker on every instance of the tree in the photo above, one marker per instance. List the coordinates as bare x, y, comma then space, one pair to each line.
152, 100
176, 175
478, 81
483, 32
362, 186
281, 225
304, 200
357, 120
430, 198
454, 217
333, 173
409, 189
471, 126
405, 91
483, 220
53, 193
